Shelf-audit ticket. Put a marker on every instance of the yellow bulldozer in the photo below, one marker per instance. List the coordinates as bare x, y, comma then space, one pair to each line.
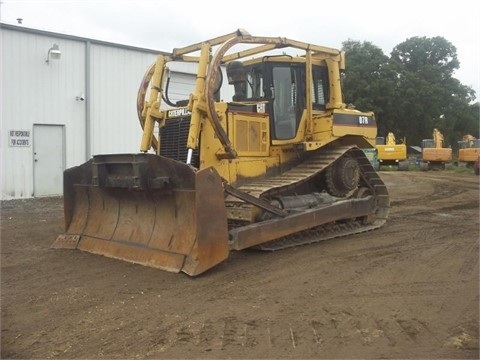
435, 155
392, 153
278, 165
468, 150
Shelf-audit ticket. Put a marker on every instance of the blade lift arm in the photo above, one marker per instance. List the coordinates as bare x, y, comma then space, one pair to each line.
152, 107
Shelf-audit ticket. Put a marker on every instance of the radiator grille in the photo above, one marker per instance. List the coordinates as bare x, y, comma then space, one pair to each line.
173, 141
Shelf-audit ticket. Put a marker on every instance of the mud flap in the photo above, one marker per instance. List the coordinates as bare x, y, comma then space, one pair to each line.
180, 225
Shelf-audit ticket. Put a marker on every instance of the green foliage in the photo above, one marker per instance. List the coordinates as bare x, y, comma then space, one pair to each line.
462, 169
413, 90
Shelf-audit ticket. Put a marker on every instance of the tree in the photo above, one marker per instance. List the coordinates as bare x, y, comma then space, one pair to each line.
427, 93
364, 62
365, 83
466, 122
413, 91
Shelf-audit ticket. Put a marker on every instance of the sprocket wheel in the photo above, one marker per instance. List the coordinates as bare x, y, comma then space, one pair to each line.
342, 176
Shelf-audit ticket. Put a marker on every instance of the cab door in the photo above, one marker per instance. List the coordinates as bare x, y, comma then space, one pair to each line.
287, 100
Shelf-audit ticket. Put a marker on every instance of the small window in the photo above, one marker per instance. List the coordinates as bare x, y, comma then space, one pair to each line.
255, 88
319, 87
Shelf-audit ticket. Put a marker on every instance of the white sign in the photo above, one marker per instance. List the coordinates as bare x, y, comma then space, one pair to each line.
19, 138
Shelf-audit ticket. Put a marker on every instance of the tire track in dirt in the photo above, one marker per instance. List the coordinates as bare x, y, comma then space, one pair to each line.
407, 290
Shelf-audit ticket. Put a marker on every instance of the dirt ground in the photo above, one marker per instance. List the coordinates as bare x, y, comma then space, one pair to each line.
407, 290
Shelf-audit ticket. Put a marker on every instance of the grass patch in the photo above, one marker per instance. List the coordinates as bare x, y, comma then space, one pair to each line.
414, 167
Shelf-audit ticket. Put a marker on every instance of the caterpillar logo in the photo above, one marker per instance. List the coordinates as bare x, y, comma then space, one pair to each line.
178, 113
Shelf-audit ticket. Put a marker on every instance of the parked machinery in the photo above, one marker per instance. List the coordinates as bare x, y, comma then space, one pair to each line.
434, 153
278, 165
468, 150
392, 153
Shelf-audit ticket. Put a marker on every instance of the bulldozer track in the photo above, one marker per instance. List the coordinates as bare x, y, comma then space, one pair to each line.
306, 171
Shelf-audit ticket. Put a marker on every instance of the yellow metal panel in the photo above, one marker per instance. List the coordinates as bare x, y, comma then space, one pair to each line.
392, 152
250, 167
437, 154
367, 132
350, 121
265, 137
322, 126
255, 137
468, 155
251, 134
241, 135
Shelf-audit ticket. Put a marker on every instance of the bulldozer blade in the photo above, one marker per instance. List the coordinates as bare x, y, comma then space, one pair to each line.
177, 229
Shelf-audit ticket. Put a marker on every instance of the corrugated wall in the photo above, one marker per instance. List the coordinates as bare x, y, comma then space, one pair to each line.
116, 74
34, 92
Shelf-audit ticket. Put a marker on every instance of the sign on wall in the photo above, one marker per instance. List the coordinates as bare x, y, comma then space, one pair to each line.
19, 138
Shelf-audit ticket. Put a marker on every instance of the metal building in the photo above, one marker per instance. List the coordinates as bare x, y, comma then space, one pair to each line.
63, 99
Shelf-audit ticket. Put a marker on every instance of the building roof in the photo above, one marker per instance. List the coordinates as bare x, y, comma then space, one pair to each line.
77, 38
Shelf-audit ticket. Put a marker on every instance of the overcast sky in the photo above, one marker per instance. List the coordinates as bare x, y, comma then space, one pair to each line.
163, 25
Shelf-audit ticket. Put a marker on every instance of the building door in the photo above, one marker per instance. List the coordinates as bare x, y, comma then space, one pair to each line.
48, 159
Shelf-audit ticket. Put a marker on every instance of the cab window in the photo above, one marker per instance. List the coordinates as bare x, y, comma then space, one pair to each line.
319, 87
285, 96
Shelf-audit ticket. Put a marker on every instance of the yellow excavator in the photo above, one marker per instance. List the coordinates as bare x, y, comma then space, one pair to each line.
391, 153
468, 150
280, 164
435, 156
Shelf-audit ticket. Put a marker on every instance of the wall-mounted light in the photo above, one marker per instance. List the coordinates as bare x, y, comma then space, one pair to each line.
54, 53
